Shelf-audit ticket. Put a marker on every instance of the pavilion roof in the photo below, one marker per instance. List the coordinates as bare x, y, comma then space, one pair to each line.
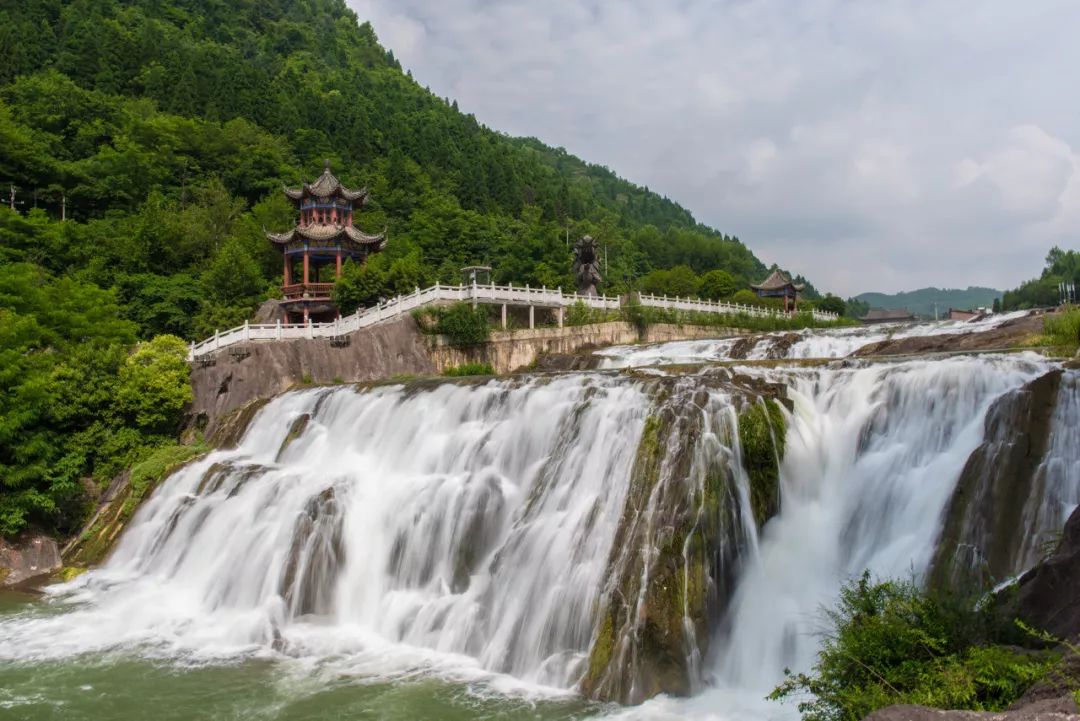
326, 186
777, 280
345, 234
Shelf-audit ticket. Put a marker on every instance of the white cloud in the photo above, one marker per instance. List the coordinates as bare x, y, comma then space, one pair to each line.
882, 145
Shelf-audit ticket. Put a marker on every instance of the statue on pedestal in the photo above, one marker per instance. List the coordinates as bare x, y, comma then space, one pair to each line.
586, 266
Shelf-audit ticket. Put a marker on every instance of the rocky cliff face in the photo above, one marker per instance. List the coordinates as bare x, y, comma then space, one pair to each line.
238, 375
29, 558
984, 537
687, 522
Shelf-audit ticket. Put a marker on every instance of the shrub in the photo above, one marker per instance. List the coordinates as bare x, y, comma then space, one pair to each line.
581, 314
470, 369
462, 325
1062, 329
893, 643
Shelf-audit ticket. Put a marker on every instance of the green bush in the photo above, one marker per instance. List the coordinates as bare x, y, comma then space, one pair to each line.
581, 314
470, 369
462, 325
893, 643
1062, 329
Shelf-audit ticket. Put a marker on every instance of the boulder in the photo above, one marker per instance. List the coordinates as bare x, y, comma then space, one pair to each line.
1048, 594
31, 558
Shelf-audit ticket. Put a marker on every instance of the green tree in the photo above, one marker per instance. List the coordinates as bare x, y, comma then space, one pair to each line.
154, 386
832, 304
717, 284
361, 285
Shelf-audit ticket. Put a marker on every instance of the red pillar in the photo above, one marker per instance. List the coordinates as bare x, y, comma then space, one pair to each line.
338, 273
288, 270
307, 268
306, 315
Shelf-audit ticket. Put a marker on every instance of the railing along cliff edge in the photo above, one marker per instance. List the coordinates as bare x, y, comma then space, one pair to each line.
488, 294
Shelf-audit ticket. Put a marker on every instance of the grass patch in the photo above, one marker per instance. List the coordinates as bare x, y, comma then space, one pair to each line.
146, 474
469, 369
1062, 329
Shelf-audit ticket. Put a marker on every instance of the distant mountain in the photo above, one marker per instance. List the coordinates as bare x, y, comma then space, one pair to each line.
922, 301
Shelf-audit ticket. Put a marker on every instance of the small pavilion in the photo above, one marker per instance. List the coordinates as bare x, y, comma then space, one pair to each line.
779, 285
315, 250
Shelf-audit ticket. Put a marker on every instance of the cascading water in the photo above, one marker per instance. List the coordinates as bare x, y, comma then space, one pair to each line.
1056, 490
872, 457
831, 343
465, 530
473, 520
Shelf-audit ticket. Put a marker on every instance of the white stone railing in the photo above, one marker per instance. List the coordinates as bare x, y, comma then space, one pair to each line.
488, 294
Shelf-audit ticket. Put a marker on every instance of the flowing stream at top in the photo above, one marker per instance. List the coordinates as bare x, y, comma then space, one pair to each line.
811, 343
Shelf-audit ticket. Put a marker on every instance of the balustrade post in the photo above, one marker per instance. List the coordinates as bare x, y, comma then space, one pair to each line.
247, 331
278, 332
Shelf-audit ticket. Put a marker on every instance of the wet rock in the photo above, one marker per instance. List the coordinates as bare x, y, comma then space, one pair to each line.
295, 431
762, 430
983, 538
677, 550
30, 558
1047, 594
1007, 335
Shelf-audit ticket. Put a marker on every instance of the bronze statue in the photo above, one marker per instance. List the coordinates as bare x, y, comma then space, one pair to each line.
586, 266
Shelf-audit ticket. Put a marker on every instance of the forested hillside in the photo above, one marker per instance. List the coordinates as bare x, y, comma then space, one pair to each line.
168, 127
924, 300
163, 131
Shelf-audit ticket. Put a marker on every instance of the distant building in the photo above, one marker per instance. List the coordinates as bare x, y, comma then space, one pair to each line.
882, 315
958, 314
323, 240
779, 285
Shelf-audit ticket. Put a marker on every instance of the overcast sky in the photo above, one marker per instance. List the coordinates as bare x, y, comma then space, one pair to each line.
870, 145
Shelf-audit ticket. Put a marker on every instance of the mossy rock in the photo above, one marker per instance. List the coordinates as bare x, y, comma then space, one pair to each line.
762, 427
97, 540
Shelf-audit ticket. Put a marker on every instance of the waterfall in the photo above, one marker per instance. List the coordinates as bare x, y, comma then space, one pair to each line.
873, 455
1056, 489
513, 527
465, 519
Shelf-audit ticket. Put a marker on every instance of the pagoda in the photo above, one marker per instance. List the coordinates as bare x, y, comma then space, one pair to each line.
779, 285
319, 245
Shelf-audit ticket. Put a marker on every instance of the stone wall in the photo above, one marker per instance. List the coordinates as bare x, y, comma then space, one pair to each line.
235, 376
509, 351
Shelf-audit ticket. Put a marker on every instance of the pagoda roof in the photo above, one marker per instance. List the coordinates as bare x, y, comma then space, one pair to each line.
326, 186
777, 280
324, 233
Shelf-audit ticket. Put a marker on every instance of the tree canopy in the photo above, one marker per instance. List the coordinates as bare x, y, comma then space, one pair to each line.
148, 142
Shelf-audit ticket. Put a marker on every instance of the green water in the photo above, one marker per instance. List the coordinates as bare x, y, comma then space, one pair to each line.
124, 687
